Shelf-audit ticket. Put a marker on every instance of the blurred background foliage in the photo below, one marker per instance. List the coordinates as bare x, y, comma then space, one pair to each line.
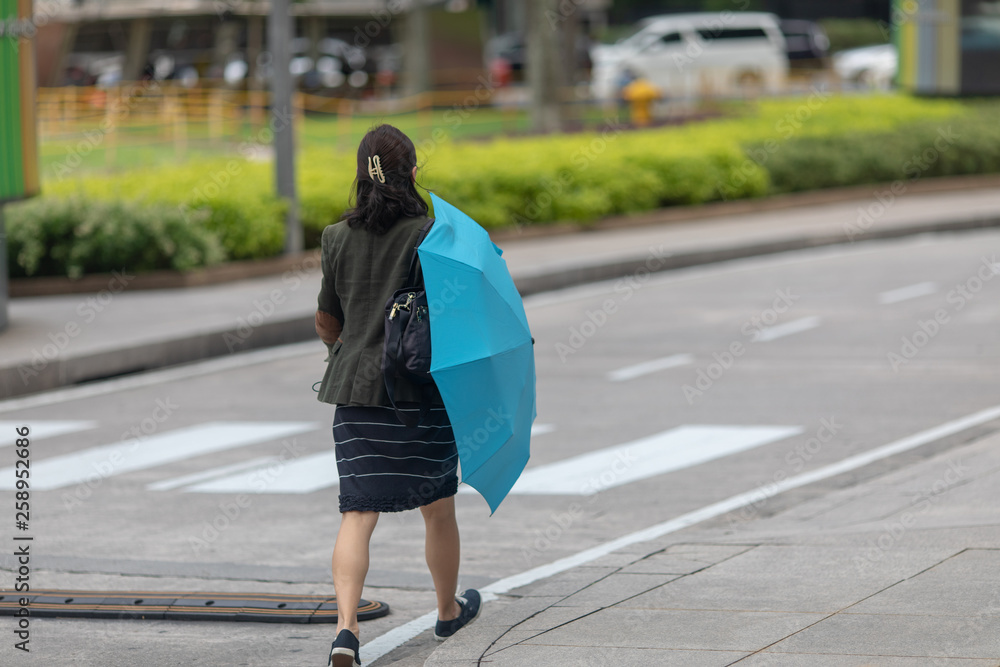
176, 169
207, 210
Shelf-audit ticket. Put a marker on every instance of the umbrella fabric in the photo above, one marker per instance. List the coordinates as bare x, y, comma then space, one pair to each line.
482, 358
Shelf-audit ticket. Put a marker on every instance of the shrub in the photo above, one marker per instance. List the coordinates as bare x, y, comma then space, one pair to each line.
324, 183
776, 145
968, 144
74, 236
231, 198
583, 177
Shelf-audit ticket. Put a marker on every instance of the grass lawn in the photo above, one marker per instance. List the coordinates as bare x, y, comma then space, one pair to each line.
88, 150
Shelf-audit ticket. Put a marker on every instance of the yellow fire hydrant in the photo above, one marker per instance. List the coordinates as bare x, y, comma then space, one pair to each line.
640, 95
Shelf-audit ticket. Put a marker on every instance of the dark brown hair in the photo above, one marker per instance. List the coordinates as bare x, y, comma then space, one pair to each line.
378, 205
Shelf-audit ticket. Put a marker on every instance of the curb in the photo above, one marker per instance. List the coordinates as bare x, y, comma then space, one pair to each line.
103, 365
513, 617
165, 279
62, 372
256, 268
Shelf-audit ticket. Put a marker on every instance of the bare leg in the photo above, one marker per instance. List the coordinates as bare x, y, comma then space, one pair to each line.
443, 553
350, 565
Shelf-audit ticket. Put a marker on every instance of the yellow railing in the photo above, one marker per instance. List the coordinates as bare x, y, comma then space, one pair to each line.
162, 113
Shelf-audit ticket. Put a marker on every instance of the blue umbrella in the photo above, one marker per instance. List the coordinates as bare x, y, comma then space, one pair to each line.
481, 351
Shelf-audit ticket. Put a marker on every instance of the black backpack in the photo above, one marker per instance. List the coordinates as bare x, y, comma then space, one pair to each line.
406, 353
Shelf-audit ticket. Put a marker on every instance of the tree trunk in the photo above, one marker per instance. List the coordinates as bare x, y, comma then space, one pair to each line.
546, 74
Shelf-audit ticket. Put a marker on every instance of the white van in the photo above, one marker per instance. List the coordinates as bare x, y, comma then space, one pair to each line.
695, 55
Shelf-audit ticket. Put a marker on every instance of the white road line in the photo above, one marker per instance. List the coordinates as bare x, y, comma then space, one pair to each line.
396, 637
207, 367
908, 292
658, 454
379, 646
646, 367
766, 334
107, 460
39, 429
194, 478
303, 475
542, 429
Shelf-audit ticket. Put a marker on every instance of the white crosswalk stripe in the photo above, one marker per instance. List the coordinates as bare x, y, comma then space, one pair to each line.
671, 450
607, 468
158, 449
42, 429
214, 473
301, 475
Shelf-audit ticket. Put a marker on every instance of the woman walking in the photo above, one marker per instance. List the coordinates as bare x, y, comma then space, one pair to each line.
384, 465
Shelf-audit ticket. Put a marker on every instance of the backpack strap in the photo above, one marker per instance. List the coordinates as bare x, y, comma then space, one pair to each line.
394, 345
411, 275
394, 349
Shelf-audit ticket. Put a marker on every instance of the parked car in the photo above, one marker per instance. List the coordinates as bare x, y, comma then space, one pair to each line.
509, 48
337, 64
806, 45
869, 66
688, 55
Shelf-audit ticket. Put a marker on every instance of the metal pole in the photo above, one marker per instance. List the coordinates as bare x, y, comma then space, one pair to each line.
279, 41
543, 62
417, 50
3, 273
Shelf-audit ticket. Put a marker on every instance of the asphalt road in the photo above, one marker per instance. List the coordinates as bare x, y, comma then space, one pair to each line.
720, 378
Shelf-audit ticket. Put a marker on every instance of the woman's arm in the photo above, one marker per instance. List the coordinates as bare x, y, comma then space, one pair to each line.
328, 327
329, 313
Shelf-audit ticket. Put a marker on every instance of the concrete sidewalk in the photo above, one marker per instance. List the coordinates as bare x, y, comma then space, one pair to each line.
62, 340
898, 570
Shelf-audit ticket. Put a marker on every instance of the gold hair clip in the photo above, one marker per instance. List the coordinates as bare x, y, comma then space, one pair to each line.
375, 168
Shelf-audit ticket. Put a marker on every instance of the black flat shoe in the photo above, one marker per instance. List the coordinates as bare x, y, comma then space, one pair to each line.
471, 604
345, 651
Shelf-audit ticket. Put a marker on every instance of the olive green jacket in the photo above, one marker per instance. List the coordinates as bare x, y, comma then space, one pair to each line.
361, 270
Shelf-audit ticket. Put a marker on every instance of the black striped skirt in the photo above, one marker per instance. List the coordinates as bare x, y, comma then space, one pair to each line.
386, 466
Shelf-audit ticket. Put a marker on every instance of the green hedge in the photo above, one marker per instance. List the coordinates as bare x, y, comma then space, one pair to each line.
76, 236
777, 146
969, 144
231, 198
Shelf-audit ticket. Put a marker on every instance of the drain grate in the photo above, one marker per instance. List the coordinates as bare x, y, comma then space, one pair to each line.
183, 606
